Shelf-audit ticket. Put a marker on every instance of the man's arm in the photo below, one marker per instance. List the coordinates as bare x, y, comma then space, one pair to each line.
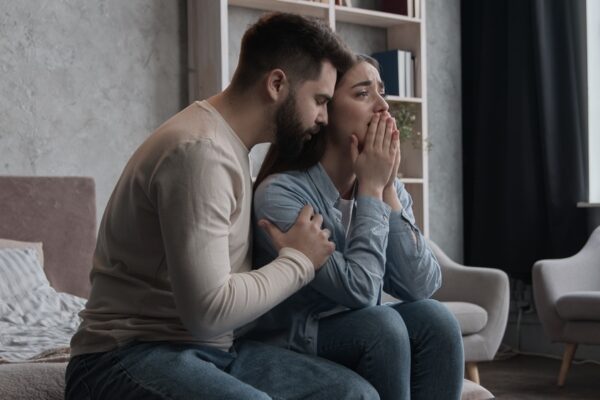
194, 193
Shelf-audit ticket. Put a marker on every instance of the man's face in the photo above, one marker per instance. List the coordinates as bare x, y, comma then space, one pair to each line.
304, 111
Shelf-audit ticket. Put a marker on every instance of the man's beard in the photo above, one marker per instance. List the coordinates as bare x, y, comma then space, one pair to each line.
290, 136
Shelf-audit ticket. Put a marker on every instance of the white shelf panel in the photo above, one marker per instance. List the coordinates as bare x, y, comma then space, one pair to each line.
398, 99
412, 180
307, 8
377, 19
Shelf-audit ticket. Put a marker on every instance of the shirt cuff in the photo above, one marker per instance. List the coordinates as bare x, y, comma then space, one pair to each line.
371, 207
301, 260
400, 222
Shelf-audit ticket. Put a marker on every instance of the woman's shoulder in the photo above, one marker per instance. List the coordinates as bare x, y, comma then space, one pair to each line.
284, 181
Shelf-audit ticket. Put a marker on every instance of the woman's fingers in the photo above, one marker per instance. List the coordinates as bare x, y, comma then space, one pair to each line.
380, 135
372, 131
354, 148
389, 130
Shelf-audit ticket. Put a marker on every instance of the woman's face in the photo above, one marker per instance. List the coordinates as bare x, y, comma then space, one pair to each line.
357, 98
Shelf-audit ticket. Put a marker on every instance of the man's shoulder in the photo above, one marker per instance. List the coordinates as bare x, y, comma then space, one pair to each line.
194, 122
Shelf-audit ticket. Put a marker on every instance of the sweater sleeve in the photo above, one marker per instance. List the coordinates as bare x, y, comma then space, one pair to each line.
195, 193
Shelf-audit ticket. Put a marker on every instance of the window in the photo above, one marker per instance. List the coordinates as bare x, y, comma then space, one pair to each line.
593, 79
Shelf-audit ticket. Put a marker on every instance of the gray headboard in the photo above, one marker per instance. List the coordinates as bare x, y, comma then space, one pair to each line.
60, 212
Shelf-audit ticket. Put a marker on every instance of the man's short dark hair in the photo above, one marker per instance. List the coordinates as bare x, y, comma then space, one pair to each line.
298, 45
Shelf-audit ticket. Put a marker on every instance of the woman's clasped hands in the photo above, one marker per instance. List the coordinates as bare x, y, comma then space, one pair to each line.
376, 162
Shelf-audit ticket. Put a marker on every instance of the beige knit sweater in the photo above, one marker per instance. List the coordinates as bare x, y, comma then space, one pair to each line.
173, 257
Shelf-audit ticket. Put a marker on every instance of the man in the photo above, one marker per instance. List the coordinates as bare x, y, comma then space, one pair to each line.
172, 278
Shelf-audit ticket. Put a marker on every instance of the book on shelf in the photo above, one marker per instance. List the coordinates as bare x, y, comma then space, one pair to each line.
397, 72
395, 6
410, 8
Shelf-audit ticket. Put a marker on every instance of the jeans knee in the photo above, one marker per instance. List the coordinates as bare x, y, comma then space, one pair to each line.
388, 326
443, 324
355, 389
255, 396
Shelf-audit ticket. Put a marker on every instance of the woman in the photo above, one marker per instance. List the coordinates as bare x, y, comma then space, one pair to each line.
408, 350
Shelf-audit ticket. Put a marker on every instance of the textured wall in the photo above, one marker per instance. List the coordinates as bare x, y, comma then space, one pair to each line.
84, 82
445, 125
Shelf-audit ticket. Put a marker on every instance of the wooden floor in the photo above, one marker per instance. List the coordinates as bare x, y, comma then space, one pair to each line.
534, 378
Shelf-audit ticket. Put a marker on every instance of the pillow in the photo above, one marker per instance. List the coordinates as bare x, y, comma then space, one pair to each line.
16, 244
20, 274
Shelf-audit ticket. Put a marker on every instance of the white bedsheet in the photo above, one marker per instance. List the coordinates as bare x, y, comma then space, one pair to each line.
43, 321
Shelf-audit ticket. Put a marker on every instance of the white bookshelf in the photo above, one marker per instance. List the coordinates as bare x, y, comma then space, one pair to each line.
208, 30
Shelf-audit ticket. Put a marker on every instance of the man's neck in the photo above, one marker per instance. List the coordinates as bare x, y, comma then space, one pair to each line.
338, 166
248, 116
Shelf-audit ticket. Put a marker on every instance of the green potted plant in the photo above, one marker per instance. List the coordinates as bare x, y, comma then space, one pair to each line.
406, 119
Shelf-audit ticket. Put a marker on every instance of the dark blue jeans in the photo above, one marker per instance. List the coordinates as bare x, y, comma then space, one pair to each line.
405, 350
165, 370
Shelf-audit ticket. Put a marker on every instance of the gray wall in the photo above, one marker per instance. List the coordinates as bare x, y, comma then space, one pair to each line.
445, 125
84, 82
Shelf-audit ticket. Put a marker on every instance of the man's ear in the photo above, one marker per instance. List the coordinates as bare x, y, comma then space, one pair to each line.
277, 84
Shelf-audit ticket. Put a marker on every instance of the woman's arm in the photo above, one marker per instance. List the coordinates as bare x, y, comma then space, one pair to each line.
412, 271
353, 276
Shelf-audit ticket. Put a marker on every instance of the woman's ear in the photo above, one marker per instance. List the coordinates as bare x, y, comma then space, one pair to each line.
277, 84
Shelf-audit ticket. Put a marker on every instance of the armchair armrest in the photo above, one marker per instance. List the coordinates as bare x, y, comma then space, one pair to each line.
486, 287
555, 277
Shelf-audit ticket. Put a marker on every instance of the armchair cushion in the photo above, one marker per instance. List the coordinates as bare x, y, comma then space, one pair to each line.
471, 317
579, 306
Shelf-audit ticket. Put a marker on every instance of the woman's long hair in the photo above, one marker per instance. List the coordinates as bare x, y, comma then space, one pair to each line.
313, 150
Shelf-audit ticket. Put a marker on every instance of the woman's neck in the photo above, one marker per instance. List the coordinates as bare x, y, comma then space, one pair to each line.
338, 165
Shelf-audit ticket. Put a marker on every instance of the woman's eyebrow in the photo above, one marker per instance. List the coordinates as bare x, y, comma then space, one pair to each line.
363, 83
369, 83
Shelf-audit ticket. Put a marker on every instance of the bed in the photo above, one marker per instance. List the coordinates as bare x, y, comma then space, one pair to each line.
47, 240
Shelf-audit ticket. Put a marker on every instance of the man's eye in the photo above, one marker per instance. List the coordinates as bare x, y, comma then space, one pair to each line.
383, 94
363, 93
321, 101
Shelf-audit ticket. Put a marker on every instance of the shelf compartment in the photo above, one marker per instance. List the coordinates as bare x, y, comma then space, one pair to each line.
378, 19
307, 8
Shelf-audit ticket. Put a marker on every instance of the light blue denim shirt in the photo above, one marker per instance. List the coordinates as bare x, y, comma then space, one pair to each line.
383, 250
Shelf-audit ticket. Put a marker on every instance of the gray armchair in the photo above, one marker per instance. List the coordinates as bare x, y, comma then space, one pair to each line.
567, 297
479, 298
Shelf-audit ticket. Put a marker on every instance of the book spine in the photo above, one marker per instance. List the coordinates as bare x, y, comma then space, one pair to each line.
401, 73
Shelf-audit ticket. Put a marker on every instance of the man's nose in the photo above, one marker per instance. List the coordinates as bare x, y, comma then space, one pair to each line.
322, 117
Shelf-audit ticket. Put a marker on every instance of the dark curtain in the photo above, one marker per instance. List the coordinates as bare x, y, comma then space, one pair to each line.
524, 131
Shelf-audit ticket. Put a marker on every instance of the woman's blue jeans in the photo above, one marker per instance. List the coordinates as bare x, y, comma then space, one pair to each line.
405, 350
167, 370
